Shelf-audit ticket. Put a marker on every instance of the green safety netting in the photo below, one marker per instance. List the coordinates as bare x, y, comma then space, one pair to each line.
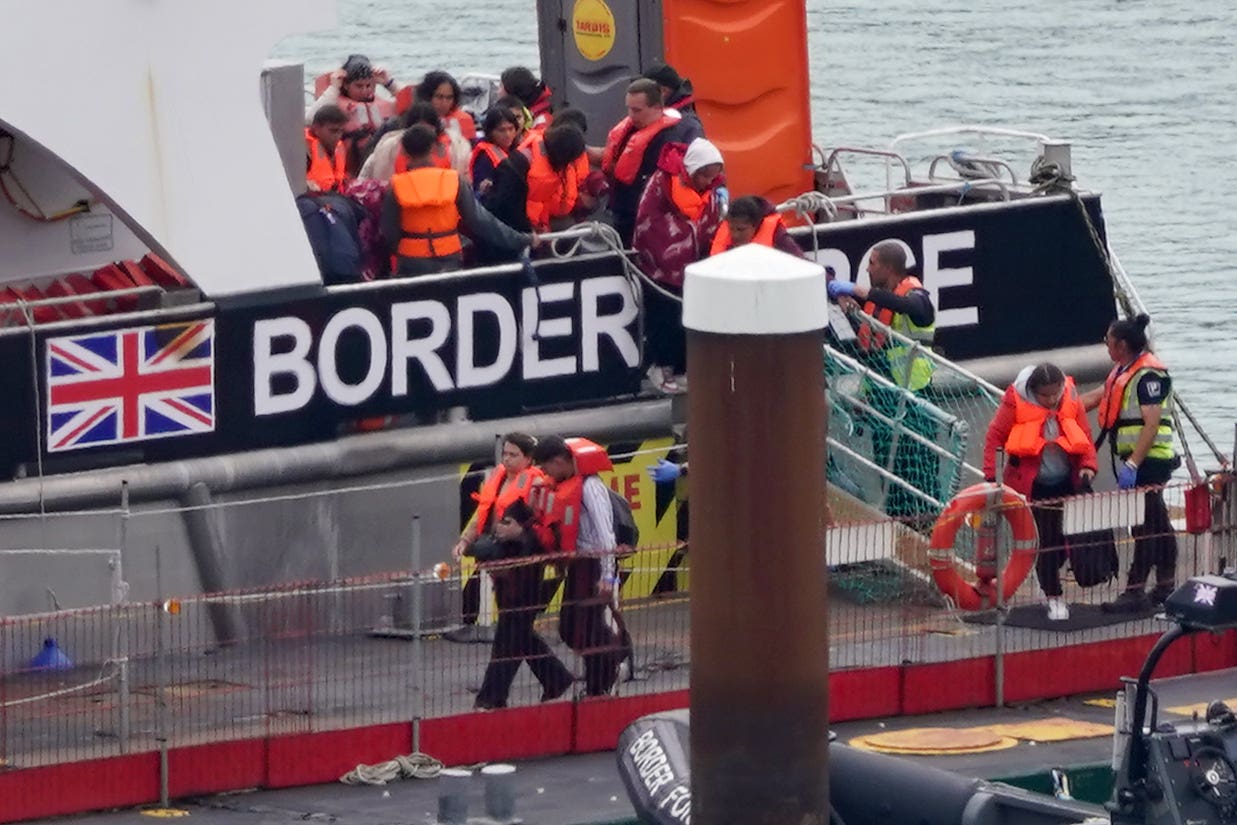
901, 452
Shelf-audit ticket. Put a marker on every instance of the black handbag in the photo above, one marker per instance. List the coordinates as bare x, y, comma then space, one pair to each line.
1092, 555
487, 548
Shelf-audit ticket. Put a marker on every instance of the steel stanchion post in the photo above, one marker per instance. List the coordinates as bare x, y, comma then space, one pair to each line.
418, 669
999, 653
123, 697
759, 612
161, 721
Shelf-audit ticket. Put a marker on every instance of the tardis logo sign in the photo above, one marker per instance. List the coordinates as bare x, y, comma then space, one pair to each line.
128, 385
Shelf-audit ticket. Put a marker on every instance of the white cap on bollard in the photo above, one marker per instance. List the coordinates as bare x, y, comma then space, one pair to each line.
755, 290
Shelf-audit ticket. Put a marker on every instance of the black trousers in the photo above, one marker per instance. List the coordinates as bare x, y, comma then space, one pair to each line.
590, 624
516, 641
1048, 521
1155, 543
664, 336
470, 598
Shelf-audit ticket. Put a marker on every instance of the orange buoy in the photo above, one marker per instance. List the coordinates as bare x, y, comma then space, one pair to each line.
982, 594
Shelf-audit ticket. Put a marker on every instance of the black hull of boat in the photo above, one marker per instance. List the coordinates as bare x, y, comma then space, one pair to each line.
864, 788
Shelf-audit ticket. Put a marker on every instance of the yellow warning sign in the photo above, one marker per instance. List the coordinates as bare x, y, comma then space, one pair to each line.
592, 25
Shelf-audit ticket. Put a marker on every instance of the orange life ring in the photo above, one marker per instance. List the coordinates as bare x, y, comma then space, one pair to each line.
981, 594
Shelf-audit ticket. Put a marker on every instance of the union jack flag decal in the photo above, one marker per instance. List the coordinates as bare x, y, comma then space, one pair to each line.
129, 385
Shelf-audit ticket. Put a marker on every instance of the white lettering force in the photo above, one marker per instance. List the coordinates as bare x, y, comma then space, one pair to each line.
935, 277
392, 351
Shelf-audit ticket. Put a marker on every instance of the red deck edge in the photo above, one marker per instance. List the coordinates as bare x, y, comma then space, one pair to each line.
564, 727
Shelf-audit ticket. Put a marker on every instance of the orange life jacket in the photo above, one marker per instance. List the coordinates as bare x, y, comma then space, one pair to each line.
326, 172
1026, 437
765, 233
687, 200
558, 506
440, 155
550, 194
868, 338
494, 499
492, 151
429, 218
468, 128
1116, 382
540, 109
621, 160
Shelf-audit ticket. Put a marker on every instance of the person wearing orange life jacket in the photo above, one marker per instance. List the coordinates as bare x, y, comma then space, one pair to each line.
555, 179
575, 517
426, 207
1043, 428
632, 149
1135, 413
752, 219
353, 89
442, 91
450, 152
898, 300
677, 94
510, 552
521, 83
326, 156
679, 214
499, 128
511, 480
537, 187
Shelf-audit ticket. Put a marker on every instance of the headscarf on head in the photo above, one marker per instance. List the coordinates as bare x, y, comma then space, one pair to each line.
700, 153
357, 67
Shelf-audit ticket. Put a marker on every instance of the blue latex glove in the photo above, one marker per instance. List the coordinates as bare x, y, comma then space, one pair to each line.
663, 472
1127, 476
839, 288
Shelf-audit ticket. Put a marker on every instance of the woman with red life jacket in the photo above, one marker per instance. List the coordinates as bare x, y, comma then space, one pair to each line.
521, 83
426, 208
676, 220
450, 152
1135, 415
1043, 428
442, 91
510, 481
752, 219
575, 518
352, 89
326, 155
499, 130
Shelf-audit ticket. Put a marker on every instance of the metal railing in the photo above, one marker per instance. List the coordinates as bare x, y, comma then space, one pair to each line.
156, 674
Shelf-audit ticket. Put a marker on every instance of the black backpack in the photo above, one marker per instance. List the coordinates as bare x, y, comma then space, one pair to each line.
626, 533
331, 222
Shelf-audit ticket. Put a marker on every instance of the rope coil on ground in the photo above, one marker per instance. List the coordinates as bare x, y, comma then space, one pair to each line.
413, 766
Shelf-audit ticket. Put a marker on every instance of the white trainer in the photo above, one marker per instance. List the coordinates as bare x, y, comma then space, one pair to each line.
1058, 610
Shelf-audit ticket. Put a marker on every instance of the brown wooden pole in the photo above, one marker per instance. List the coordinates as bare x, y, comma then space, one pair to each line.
759, 612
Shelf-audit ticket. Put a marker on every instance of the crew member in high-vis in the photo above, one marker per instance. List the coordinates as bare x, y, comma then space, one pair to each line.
426, 208
326, 155
1135, 415
575, 517
512, 480
899, 301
